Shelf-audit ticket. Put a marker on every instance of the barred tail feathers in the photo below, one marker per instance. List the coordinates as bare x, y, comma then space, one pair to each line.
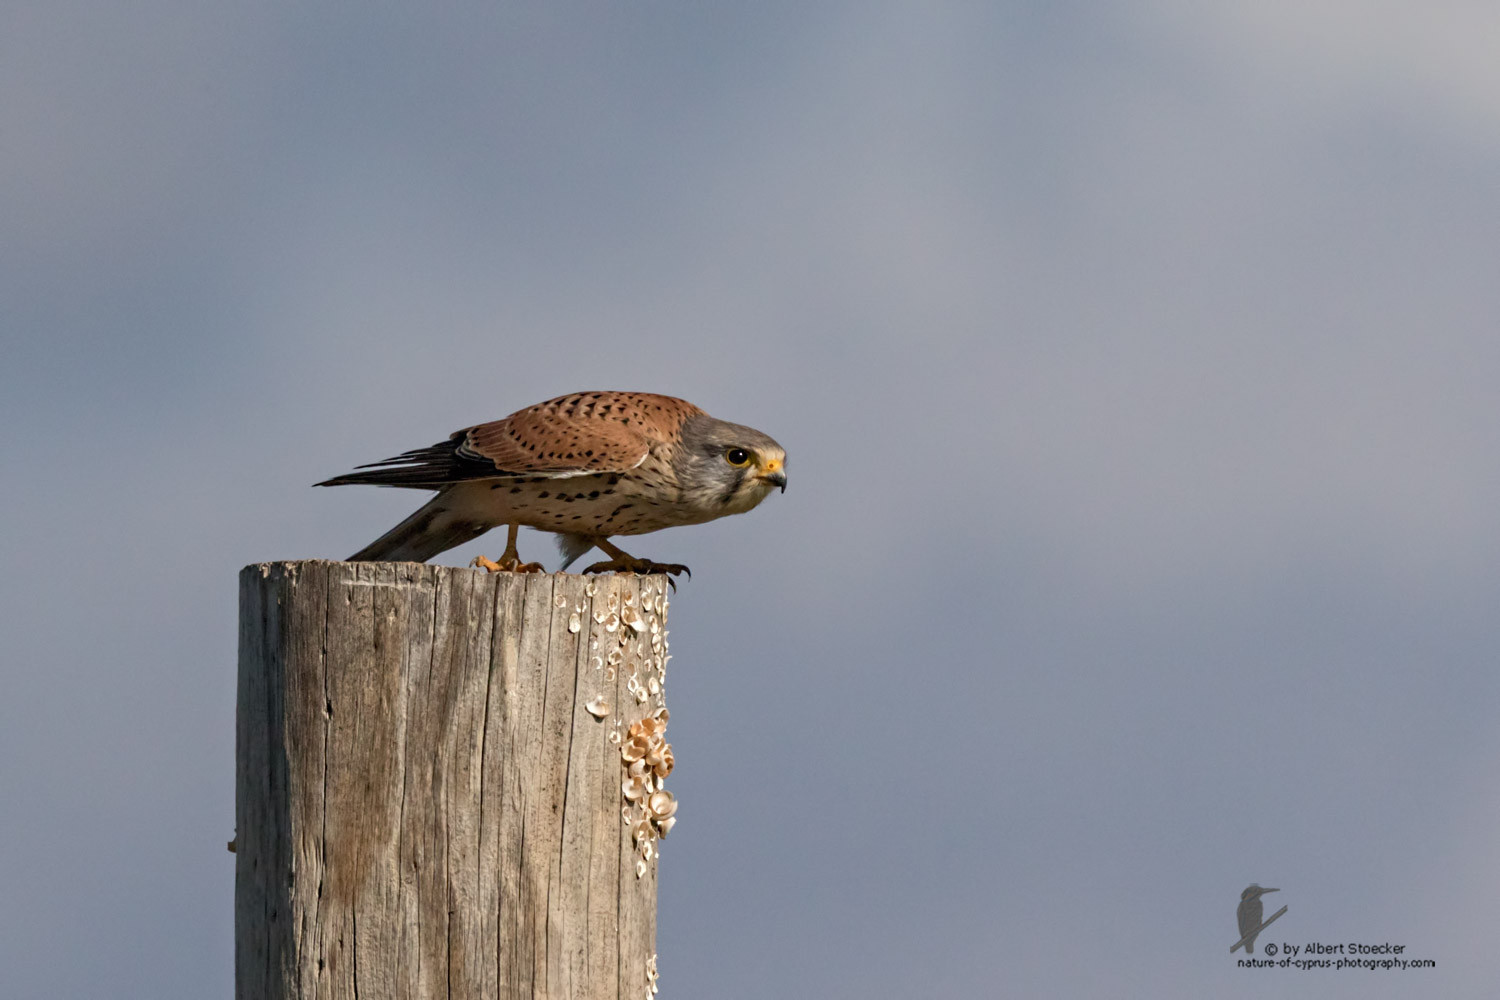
434, 528
573, 546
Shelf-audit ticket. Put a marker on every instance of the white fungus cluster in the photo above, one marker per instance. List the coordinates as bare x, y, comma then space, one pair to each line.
635, 642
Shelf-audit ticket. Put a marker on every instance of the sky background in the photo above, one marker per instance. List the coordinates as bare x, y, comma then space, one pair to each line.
1137, 365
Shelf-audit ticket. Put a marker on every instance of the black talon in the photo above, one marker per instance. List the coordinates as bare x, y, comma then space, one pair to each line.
642, 567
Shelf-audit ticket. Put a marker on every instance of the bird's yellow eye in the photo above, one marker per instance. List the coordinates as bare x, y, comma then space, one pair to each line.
737, 457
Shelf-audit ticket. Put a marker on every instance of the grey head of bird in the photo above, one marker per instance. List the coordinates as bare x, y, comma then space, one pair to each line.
1253, 891
725, 468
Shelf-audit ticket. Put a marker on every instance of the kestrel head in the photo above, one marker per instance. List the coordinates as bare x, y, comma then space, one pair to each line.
726, 468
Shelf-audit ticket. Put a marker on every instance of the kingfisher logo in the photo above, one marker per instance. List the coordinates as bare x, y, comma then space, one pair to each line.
1249, 914
1284, 954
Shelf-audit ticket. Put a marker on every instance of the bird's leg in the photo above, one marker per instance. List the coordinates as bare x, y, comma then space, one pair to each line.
510, 559
622, 562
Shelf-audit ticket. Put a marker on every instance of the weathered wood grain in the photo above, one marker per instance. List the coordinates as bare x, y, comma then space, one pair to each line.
426, 807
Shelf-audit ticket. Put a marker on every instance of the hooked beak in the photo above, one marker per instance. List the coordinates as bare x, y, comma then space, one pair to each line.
777, 479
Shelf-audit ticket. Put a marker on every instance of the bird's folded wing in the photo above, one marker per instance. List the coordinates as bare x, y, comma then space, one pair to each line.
578, 435
546, 443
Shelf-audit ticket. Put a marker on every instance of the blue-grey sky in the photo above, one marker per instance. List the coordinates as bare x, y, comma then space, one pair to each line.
1137, 366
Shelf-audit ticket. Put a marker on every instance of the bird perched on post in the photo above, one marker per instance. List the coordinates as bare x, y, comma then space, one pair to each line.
1250, 911
586, 466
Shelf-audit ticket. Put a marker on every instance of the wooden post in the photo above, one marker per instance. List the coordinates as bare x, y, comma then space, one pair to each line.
429, 783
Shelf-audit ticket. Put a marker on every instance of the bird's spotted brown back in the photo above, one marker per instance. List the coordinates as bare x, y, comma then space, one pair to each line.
582, 432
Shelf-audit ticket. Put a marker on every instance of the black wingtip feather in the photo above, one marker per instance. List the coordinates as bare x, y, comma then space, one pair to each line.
429, 468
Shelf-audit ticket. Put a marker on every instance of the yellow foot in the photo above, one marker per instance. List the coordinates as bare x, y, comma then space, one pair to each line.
506, 565
642, 566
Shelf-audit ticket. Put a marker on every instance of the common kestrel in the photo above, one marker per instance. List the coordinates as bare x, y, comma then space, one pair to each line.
586, 466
